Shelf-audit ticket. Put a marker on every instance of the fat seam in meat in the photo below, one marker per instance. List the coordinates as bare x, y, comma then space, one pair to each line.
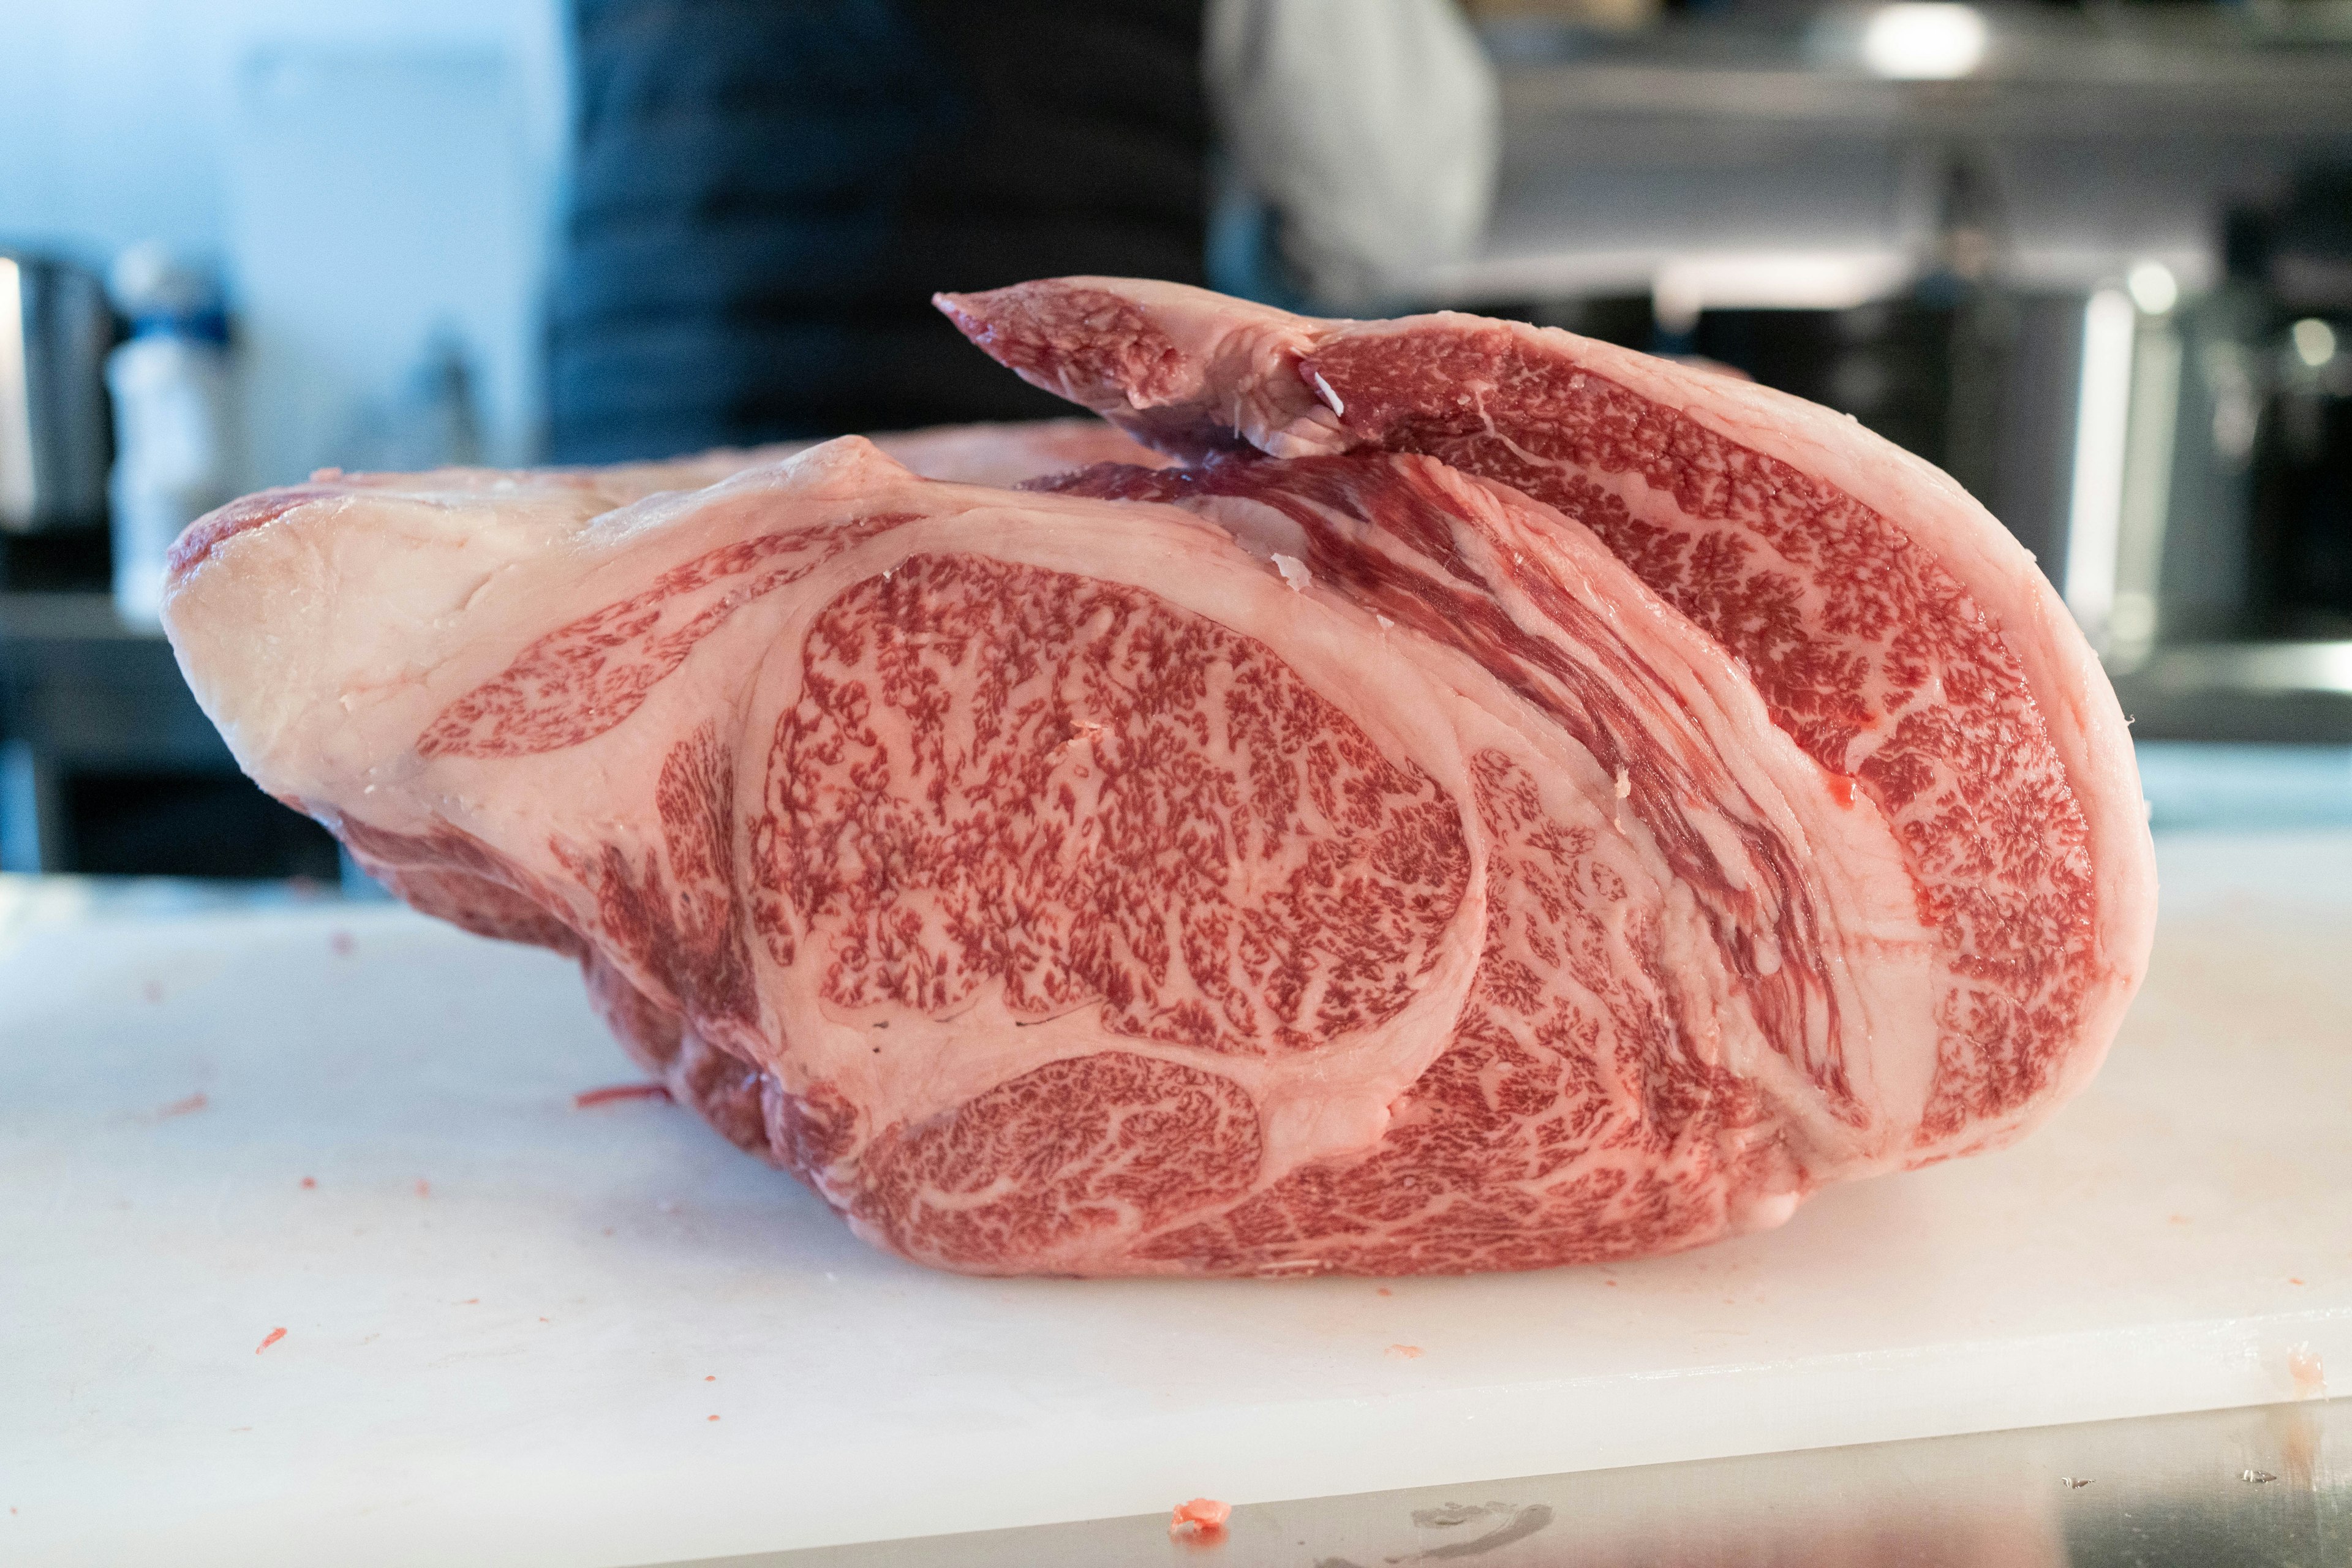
1498, 801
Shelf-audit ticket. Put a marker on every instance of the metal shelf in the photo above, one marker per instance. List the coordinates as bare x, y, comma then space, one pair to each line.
2297, 692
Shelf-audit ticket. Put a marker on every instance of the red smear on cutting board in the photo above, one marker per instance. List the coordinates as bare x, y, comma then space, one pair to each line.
619, 1091
1405, 1352
343, 944
310, 1183
268, 1340
423, 1188
195, 1101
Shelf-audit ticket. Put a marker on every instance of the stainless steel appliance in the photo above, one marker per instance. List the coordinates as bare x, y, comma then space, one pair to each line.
2026, 274
55, 440
2230, 566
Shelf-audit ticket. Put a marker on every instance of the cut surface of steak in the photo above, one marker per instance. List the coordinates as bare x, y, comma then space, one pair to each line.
1346, 862
1894, 629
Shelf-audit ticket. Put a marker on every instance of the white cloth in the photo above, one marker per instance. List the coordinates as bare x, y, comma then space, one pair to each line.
1370, 126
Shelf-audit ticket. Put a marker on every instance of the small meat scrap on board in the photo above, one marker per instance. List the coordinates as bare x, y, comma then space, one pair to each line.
1202, 1519
1468, 799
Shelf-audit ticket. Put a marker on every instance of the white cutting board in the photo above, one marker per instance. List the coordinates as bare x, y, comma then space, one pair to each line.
518, 1363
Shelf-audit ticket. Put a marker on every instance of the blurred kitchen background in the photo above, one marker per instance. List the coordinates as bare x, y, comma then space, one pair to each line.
2093, 259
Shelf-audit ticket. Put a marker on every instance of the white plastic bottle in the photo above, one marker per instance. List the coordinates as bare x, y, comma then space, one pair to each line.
173, 436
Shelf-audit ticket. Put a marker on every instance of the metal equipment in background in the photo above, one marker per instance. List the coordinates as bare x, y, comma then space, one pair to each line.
2206, 540
55, 444
2097, 266
107, 764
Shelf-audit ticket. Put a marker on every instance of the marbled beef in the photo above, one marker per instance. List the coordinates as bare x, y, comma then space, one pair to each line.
1502, 802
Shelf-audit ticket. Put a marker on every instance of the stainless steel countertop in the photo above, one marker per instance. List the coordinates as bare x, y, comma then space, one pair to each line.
2264, 1487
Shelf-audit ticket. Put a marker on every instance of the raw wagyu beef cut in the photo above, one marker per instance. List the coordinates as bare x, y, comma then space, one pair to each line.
1495, 801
